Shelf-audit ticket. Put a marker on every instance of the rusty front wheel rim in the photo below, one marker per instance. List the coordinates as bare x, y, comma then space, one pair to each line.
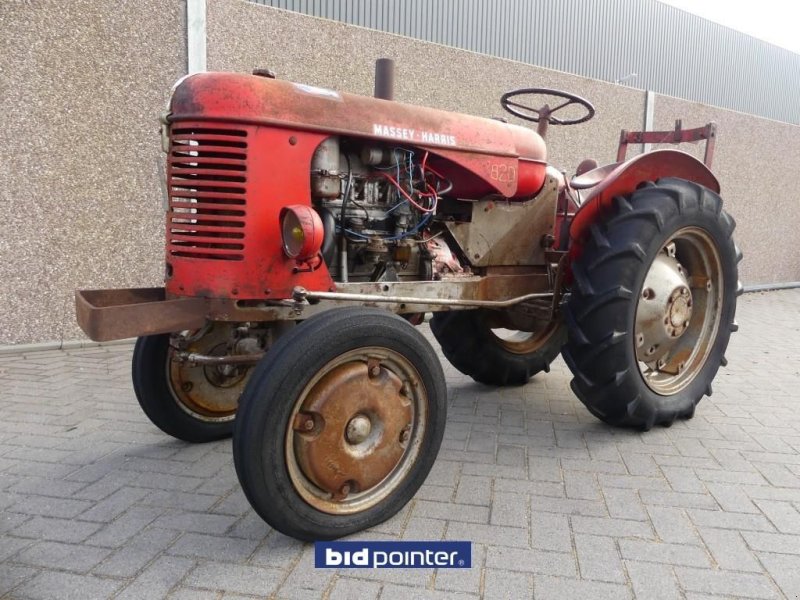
689, 298
330, 450
200, 391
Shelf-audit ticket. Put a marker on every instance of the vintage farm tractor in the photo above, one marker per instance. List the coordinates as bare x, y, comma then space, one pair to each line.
308, 231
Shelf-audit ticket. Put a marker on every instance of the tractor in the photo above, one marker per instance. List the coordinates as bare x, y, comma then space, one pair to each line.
308, 232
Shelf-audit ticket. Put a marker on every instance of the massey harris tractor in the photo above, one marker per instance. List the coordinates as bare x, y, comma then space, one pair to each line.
308, 231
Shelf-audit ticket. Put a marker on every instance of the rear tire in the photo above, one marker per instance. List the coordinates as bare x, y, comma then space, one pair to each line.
652, 305
471, 346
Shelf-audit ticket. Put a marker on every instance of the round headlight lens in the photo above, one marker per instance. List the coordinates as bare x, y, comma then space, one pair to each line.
301, 231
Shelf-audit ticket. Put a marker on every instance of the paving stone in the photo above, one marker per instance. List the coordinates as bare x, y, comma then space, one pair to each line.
784, 570
157, 579
68, 586
473, 490
240, 579
12, 576
652, 581
550, 532
507, 585
57, 530
726, 583
729, 550
213, 547
660, 552
392, 591
598, 558
617, 528
345, 588
558, 588
673, 525
509, 509
531, 561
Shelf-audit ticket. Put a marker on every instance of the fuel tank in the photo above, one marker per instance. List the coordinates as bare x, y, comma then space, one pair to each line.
481, 156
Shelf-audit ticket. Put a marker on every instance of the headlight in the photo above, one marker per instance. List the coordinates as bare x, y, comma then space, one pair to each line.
301, 231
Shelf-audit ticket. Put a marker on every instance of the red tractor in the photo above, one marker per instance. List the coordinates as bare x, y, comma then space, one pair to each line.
308, 231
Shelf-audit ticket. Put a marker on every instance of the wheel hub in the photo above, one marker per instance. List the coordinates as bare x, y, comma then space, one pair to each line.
351, 430
358, 429
665, 308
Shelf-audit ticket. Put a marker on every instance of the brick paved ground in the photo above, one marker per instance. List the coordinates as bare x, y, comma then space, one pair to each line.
96, 503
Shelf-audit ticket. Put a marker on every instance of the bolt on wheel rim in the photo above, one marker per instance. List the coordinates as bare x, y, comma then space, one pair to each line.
356, 430
678, 311
207, 393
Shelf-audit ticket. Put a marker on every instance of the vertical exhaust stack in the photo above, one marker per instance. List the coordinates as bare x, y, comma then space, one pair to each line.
384, 79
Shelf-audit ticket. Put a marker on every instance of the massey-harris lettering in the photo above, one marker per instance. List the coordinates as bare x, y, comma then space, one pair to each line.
412, 135
309, 230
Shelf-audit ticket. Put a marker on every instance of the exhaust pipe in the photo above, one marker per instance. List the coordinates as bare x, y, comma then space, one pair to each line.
384, 79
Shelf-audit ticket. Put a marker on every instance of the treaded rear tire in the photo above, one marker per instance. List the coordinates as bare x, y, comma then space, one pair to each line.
608, 280
470, 346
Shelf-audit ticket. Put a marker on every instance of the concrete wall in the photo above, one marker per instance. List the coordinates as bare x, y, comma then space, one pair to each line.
82, 84
756, 160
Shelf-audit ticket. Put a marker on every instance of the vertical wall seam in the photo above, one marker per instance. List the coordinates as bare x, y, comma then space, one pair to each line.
649, 114
196, 51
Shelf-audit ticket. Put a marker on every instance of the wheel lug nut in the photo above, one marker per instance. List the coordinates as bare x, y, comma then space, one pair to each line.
344, 491
187, 386
648, 294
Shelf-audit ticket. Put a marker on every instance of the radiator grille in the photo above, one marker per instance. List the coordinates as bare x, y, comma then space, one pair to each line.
207, 178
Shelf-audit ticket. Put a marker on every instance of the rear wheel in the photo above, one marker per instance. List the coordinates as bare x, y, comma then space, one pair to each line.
652, 305
340, 424
476, 344
194, 403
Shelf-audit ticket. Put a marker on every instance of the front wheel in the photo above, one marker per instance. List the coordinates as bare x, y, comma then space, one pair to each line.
193, 403
652, 305
340, 423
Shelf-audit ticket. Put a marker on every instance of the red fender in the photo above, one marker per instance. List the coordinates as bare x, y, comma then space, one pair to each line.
625, 178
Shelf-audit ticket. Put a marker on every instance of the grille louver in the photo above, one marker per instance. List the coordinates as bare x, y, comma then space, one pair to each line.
207, 178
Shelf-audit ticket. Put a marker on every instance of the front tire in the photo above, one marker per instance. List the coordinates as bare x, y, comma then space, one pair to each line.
191, 403
652, 305
340, 423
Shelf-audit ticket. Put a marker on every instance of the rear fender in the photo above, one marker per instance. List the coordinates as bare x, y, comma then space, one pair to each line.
626, 177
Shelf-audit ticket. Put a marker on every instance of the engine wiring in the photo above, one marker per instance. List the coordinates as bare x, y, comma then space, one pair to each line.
424, 184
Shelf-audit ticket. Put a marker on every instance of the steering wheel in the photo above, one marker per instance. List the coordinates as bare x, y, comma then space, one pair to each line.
545, 113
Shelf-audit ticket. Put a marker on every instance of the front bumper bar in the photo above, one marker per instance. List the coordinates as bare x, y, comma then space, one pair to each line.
106, 315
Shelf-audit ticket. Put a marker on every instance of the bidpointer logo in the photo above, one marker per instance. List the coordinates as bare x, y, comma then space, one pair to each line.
393, 555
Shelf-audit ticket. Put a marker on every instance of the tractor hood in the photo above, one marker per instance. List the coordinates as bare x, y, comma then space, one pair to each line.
465, 139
